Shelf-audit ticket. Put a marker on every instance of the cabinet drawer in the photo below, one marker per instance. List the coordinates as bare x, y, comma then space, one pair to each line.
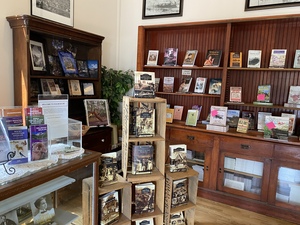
192, 139
287, 152
246, 146
98, 139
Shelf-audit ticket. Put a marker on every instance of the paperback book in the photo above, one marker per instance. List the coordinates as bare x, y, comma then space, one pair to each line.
51, 86
54, 66
18, 138
192, 117
254, 59
185, 84
277, 59
243, 125
263, 94
233, 116
108, 168
168, 85
33, 116
88, 88
38, 142
152, 57
215, 85
292, 121
178, 111
144, 84
82, 67
169, 115
157, 82
261, 117
142, 159
179, 192
109, 208
276, 127
294, 95
213, 58
145, 122
148, 221
218, 115
199, 108
190, 57
251, 116
93, 68
97, 112
200, 85
235, 94
297, 59
144, 196
68, 62
74, 87
178, 160
177, 218
235, 59
170, 57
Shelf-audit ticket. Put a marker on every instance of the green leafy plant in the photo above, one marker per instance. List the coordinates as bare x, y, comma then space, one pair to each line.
115, 84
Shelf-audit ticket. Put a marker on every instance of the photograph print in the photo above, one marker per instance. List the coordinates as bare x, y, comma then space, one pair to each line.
60, 11
97, 112
37, 56
269, 4
162, 8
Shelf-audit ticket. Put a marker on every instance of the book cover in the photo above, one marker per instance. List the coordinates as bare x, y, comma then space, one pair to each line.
235, 94
276, 127
192, 117
43, 210
292, 121
170, 57
144, 83
18, 139
157, 82
251, 116
97, 112
93, 68
108, 168
38, 142
218, 115
34, 88
148, 221
68, 62
88, 88
178, 160
82, 68
179, 192
169, 115
178, 111
200, 85
294, 95
152, 57
243, 125
261, 120
190, 57
74, 86
213, 58
168, 85
264, 93
142, 159
51, 86
145, 122
235, 59
12, 117
185, 84
215, 85
177, 218
297, 59
45, 87
109, 207
233, 116
254, 59
199, 108
144, 196
277, 59
54, 66
33, 116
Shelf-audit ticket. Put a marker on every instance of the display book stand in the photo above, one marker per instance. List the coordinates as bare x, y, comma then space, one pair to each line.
158, 174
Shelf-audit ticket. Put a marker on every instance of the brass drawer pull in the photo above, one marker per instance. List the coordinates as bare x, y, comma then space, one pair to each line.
245, 147
190, 137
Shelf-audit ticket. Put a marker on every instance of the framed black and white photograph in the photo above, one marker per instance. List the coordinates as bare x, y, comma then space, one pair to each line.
61, 11
269, 4
97, 112
37, 56
162, 8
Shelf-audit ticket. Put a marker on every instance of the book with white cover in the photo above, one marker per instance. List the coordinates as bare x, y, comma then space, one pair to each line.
277, 59
218, 115
276, 127
297, 59
294, 95
254, 59
152, 57
292, 121
200, 85
190, 57
261, 120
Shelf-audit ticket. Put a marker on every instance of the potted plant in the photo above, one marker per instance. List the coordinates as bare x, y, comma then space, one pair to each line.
115, 84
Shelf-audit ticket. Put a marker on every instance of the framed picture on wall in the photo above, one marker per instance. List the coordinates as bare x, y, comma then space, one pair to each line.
258, 4
61, 11
37, 56
162, 8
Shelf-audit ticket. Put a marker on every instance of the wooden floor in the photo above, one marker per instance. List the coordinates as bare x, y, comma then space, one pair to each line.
214, 213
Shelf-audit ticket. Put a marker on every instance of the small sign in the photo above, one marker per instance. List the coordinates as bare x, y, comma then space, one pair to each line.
187, 72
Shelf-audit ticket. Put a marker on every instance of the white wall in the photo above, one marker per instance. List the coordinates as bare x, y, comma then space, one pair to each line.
117, 21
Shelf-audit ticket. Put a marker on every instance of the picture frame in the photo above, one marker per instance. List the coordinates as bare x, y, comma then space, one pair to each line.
58, 11
159, 8
97, 112
270, 4
37, 56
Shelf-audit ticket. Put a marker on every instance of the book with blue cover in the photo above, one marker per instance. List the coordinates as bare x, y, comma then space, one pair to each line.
18, 138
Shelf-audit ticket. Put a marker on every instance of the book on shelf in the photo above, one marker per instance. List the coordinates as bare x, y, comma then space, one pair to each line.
219, 128
142, 159
169, 115
179, 192
54, 66
185, 84
199, 108
190, 57
12, 116
93, 68
38, 142
51, 86
170, 56
292, 121
146, 221
235, 94
68, 62
263, 94
215, 85
144, 197
178, 160
152, 57
156, 85
145, 122
168, 85
235, 59
294, 95
261, 120
251, 116
74, 87
109, 207
243, 125
18, 139
276, 127
34, 88
233, 116
58, 89
82, 68
88, 88
177, 218
218, 115
97, 112
45, 87
108, 168
200, 85
144, 83
213, 58
277, 59
191, 117
291, 105
178, 111
33, 116
296, 64
254, 59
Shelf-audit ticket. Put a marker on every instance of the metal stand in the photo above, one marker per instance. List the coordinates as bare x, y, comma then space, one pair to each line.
10, 170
